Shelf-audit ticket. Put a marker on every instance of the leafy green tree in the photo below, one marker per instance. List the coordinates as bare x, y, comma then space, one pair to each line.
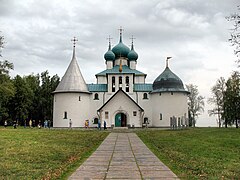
232, 100
49, 84
33, 82
6, 89
235, 32
217, 99
20, 104
195, 104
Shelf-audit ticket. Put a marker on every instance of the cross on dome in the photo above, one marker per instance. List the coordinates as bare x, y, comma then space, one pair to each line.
74, 41
109, 39
132, 38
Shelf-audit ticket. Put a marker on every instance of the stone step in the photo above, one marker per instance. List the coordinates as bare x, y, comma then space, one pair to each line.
120, 128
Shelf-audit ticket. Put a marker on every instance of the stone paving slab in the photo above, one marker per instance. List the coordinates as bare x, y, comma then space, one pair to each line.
123, 156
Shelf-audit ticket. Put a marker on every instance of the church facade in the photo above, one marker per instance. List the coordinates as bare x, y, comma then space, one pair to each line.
120, 97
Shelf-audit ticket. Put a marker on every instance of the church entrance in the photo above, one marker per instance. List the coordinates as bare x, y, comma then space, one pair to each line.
120, 120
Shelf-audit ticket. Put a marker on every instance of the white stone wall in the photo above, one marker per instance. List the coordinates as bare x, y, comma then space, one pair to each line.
146, 104
133, 64
139, 79
77, 111
101, 80
168, 105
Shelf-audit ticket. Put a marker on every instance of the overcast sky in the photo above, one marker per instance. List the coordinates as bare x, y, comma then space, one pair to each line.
193, 32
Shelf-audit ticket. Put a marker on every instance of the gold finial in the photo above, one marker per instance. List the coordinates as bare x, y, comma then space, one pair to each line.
120, 66
167, 61
74, 41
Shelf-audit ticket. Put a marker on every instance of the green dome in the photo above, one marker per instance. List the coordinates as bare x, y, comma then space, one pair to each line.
120, 49
132, 55
109, 55
168, 81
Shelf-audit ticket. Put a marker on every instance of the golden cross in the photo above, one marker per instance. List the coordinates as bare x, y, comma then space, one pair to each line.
109, 39
132, 38
121, 29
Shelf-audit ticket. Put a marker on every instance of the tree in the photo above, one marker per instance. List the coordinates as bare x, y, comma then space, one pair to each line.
217, 99
232, 100
1, 43
195, 104
20, 104
235, 33
49, 85
6, 88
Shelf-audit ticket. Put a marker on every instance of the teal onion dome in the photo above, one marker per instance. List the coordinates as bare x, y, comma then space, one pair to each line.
120, 50
109, 55
132, 55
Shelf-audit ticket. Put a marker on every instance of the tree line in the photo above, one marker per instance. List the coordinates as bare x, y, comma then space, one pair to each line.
25, 97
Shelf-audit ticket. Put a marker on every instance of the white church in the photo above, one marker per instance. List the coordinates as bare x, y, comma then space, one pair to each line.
120, 97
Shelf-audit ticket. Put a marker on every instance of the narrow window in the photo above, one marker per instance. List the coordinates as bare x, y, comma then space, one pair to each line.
96, 96
160, 116
95, 121
65, 115
120, 82
113, 84
145, 96
171, 93
79, 98
160, 94
127, 84
106, 115
134, 113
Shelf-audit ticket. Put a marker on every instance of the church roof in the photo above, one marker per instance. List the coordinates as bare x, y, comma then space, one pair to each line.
97, 87
125, 70
142, 87
72, 81
120, 90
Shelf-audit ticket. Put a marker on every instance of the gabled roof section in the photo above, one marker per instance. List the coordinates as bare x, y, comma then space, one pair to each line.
97, 87
125, 70
142, 87
120, 90
72, 81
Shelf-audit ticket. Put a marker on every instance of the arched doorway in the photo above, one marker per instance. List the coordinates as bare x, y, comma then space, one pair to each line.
120, 120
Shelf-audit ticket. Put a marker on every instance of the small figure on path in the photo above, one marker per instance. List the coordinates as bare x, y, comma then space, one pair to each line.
105, 125
86, 124
5, 124
39, 125
99, 124
45, 124
70, 123
14, 124
30, 123
49, 124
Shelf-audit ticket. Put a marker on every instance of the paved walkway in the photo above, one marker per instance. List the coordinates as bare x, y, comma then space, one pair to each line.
123, 156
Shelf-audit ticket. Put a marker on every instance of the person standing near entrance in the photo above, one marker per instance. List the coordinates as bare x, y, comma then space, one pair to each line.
105, 125
99, 124
70, 123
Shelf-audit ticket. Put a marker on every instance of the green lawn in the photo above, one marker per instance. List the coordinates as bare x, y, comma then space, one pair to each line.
200, 153
42, 153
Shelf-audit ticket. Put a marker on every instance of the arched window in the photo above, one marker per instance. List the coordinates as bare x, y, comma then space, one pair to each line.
113, 84
120, 82
96, 96
127, 84
145, 96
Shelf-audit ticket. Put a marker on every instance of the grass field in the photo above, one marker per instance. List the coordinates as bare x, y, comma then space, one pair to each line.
200, 153
43, 153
